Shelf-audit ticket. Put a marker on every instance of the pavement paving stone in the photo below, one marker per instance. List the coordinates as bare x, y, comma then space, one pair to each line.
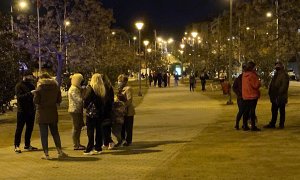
165, 122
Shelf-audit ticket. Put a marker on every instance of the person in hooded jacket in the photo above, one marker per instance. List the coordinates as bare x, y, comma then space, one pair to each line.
278, 93
26, 111
250, 94
76, 109
127, 91
46, 97
94, 97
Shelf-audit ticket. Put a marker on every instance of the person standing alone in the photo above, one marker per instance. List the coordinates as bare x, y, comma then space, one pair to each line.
26, 111
278, 93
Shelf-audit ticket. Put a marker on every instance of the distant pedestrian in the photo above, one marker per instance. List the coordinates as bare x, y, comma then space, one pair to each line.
176, 79
107, 122
278, 93
192, 82
26, 111
203, 78
46, 97
159, 79
75, 96
150, 79
165, 79
94, 102
127, 91
250, 94
155, 78
169, 79
237, 88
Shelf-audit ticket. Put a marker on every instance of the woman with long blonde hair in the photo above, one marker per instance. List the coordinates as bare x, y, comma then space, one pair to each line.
94, 104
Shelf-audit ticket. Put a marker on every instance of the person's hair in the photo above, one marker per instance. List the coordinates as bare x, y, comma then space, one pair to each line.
250, 66
45, 76
122, 78
106, 81
98, 85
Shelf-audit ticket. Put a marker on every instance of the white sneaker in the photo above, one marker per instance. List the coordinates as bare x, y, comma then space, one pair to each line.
88, 153
97, 152
111, 146
17, 150
105, 147
46, 157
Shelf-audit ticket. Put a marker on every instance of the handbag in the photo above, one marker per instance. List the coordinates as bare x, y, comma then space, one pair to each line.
92, 111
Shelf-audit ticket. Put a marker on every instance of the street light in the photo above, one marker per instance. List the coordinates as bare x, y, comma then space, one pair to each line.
269, 15
139, 25
22, 5
146, 43
66, 23
194, 35
230, 54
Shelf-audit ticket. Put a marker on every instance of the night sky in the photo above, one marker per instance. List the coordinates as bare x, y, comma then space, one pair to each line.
168, 17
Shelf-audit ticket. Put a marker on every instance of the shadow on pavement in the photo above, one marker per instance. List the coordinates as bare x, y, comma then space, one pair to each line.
141, 147
76, 159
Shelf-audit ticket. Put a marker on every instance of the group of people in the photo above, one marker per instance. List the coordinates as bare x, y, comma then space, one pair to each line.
106, 113
246, 87
192, 79
159, 79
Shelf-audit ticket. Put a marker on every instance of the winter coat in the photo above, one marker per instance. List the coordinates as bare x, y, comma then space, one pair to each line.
109, 101
25, 97
192, 79
75, 94
128, 93
89, 97
46, 98
250, 85
278, 88
237, 86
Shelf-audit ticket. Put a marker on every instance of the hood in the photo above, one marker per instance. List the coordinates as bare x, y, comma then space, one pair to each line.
248, 73
47, 83
76, 80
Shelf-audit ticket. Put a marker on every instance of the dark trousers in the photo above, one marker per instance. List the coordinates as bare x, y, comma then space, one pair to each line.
250, 106
274, 109
44, 136
22, 119
106, 129
241, 112
94, 141
203, 85
127, 129
192, 86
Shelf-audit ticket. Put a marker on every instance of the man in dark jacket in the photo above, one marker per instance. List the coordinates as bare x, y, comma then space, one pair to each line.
237, 88
26, 111
278, 93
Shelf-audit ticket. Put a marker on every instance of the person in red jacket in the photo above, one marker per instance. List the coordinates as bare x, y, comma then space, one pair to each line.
250, 94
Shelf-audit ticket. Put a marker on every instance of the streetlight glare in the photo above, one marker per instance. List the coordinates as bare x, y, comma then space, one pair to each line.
23, 4
171, 40
182, 46
269, 14
247, 28
194, 34
149, 50
139, 25
146, 42
67, 23
134, 37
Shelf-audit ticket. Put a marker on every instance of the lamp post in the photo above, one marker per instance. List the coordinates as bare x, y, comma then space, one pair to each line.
182, 46
139, 25
22, 5
66, 23
146, 42
194, 35
269, 15
230, 55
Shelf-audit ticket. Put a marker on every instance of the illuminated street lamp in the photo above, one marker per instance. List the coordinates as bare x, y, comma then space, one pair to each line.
139, 25
269, 14
66, 23
230, 54
23, 5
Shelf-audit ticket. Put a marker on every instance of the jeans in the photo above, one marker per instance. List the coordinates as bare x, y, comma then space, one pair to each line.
44, 136
192, 86
250, 106
77, 125
241, 112
274, 109
94, 141
22, 119
127, 129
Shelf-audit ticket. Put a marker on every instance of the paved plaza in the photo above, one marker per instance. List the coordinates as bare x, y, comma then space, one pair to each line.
165, 122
